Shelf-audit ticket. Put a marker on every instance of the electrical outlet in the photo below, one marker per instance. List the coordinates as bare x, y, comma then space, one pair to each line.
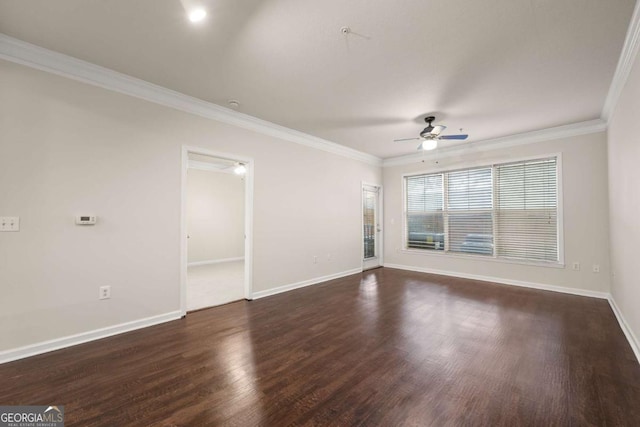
10, 223
105, 292
575, 266
596, 268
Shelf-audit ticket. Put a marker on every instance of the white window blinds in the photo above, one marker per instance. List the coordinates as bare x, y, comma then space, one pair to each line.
503, 211
425, 219
527, 210
469, 211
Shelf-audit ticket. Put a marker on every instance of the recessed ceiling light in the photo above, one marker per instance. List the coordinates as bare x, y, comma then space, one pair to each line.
197, 15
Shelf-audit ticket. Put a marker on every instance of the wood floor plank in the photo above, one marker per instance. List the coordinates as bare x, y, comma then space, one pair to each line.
385, 348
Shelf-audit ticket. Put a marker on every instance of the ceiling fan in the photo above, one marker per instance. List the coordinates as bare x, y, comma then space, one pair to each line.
431, 135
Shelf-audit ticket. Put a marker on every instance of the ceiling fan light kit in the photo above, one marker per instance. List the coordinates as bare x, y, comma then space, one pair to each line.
197, 15
431, 135
240, 169
428, 144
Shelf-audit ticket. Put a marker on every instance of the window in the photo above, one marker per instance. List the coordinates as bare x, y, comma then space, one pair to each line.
369, 221
507, 211
527, 210
469, 211
425, 215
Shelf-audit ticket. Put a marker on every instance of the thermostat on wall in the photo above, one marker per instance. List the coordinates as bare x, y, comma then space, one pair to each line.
85, 219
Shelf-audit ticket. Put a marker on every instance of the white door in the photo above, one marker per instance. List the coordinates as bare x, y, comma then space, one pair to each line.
371, 229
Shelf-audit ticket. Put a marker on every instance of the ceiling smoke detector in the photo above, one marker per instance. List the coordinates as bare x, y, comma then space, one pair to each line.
233, 103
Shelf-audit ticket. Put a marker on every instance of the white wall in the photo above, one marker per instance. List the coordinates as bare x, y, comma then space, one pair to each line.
584, 168
215, 215
70, 148
624, 200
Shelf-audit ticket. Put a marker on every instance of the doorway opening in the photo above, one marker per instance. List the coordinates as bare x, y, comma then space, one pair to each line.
372, 248
217, 194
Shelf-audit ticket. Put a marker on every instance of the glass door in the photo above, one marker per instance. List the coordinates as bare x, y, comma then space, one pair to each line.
371, 231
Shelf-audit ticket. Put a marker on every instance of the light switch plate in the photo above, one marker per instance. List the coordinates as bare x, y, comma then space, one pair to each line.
9, 223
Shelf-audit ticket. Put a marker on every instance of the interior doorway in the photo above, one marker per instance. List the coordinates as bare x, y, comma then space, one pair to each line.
216, 229
371, 226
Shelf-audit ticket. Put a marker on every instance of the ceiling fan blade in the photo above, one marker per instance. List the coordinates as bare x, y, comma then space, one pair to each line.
454, 137
406, 139
437, 130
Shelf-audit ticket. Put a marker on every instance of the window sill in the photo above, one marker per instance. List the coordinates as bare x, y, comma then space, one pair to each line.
482, 258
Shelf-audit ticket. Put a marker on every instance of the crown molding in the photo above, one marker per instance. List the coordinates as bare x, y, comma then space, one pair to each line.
566, 131
625, 64
196, 164
21, 52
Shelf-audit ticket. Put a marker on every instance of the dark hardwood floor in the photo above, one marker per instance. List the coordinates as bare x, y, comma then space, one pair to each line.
384, 348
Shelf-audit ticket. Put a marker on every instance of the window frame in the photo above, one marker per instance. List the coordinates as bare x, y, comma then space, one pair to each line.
486, 164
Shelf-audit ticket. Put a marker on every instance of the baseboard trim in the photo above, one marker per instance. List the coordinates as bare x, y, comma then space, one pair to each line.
214, 261
633, 341
628, 333
522, 284
81, 338
304, 283
84, 337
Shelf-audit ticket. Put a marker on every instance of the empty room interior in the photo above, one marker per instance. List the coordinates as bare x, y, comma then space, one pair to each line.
278, 212
215, 231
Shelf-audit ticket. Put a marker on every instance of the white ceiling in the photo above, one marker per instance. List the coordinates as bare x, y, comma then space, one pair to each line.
492, 67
